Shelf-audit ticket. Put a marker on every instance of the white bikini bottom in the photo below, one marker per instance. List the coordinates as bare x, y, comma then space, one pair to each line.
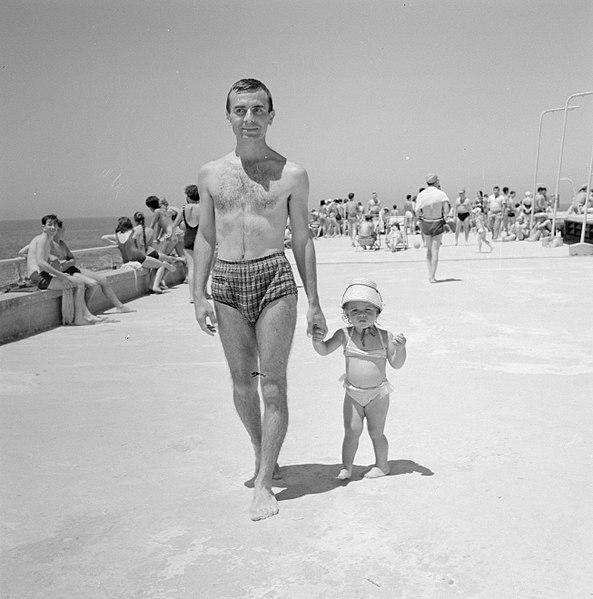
363, 396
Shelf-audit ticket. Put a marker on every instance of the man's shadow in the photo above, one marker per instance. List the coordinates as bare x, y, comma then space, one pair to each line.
299, 480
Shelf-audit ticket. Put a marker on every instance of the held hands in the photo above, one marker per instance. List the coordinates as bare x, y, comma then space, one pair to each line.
204, 313
316, 325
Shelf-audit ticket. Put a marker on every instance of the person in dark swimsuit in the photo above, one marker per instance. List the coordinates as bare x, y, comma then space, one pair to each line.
190, 214
130, 252
462, 212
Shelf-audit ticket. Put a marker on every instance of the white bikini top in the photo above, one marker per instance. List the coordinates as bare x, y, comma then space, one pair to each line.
351, 350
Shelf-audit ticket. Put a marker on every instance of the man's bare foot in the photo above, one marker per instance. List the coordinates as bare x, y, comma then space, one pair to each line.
83, 323
376, 472
264, 505
121, 309
344, 474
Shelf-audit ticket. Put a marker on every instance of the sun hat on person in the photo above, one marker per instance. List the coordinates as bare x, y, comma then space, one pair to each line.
363, 290
431, 178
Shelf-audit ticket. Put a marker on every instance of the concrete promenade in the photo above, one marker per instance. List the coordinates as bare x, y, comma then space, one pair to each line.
123, 464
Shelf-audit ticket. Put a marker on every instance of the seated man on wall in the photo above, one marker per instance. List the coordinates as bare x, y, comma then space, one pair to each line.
45, 276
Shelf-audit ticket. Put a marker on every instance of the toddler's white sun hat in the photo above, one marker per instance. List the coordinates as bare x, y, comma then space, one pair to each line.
363, 290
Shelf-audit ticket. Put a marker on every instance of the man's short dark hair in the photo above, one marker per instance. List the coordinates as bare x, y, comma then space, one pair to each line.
152, 202
248, 85
48, 217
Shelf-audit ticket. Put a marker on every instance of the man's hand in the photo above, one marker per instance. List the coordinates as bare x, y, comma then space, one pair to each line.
205, 316
316, 326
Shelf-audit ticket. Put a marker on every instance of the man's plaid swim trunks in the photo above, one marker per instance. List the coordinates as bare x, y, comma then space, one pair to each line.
250, 285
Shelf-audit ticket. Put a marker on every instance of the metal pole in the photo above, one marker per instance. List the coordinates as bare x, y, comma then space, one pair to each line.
556, 198
539, 139
586, 207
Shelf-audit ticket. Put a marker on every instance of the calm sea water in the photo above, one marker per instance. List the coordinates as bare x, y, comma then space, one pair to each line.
81, 233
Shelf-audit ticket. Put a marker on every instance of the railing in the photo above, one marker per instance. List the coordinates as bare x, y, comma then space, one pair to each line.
13, 271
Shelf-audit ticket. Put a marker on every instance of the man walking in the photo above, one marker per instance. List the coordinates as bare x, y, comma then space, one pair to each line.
432, 205
246, 198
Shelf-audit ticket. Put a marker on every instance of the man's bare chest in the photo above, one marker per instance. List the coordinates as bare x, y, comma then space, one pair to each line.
259, 189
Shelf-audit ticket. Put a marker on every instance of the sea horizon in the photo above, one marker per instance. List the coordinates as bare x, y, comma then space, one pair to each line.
81, 233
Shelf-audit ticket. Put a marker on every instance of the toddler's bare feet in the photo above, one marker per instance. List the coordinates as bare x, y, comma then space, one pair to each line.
344, 474
376, 472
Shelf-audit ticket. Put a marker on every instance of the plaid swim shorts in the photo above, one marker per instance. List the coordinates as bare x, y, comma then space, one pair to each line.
250, 285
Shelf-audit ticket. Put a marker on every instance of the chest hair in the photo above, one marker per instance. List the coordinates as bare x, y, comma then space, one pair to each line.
239, 189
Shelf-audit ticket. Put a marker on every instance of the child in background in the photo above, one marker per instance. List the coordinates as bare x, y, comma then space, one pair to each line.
480, 228
367, 349
395, 238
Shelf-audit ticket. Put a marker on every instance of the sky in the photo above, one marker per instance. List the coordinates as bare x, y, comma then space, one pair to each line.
104, 103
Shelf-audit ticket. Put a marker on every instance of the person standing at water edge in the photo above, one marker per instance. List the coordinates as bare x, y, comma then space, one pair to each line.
432, 205
246, 198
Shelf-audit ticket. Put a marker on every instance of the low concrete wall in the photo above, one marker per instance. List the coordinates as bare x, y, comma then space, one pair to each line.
27, 313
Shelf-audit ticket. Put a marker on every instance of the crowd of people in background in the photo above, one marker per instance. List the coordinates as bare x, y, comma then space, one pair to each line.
164, 240
164, 243
160, 246
501, 215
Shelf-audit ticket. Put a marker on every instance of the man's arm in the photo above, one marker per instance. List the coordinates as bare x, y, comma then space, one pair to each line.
204, 247
156, 225
42, 261
304, 250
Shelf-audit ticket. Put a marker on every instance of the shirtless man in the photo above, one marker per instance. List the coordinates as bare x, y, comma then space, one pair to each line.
432, 206
45, 276
162, 225
246, 198
462, 216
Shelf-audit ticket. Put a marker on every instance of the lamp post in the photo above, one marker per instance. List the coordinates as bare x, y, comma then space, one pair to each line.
587, 199
557, 197
539, 140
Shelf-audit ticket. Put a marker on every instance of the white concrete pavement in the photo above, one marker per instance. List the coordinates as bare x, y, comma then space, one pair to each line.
123, 462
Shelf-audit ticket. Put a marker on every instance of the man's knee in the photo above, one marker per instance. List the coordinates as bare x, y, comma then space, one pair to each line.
101, 280
244, 387
273, 390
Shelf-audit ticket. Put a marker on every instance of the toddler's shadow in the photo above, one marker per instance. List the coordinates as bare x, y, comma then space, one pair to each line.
298, 480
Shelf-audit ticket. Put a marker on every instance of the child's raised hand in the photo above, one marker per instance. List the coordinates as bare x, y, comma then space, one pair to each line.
399, 340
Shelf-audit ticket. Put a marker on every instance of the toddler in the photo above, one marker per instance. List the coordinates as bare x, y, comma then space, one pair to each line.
367, 349
480, 228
